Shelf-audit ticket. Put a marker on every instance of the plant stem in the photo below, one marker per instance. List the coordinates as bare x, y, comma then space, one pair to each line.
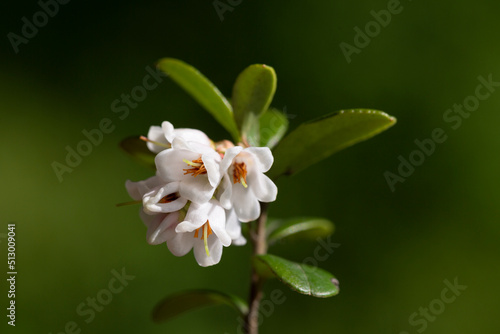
258, 238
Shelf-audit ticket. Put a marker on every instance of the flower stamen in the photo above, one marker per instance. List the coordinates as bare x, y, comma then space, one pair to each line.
198, 167
129, 203
169, 198
154, 142
240, 174
207, 230
205, 238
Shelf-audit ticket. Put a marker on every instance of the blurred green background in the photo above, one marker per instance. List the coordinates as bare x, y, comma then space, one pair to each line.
396, 248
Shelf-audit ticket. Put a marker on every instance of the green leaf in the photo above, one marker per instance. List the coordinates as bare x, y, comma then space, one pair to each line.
139, 151
253, 92
302, 228
185, 301
273, 126
302, 278
202, 90
316, 140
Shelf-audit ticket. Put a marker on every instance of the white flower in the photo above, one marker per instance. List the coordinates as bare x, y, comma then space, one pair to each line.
155, 223
196, 167
179, 207
204, 230
160, 138
244, 183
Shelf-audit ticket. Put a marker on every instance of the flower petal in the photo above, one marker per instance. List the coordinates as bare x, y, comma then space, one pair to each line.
262, 186
196, 216
196, 189
233, 228
214, 248
213, 170
241, 241
156, 134
225, 192
181, 244
217, 220
151, 201
168, 131
170, 231
187, 226
204, 149
245, 203
192, 135
137, 189
151, 221
158, 235
229, 156
180, 144
170, 163
188, 135
263, 156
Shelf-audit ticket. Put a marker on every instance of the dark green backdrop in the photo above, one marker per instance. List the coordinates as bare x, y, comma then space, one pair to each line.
396, 248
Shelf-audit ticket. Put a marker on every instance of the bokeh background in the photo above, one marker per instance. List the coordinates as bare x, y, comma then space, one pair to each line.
396, 248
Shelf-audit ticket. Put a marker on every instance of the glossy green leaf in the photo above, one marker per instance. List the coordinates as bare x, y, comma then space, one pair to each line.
302, 278
202, 90
139, 151
253, 92
185, 301
302, 228
273, 126
316, 140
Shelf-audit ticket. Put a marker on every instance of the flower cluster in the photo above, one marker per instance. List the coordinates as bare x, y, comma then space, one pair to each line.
202, 191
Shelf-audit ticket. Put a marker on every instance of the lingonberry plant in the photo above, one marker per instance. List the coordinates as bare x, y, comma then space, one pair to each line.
204, 190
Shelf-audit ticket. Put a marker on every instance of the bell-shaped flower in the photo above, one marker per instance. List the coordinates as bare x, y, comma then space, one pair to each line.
203, 230
156, 222
196, 167
161, 138
244, 184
